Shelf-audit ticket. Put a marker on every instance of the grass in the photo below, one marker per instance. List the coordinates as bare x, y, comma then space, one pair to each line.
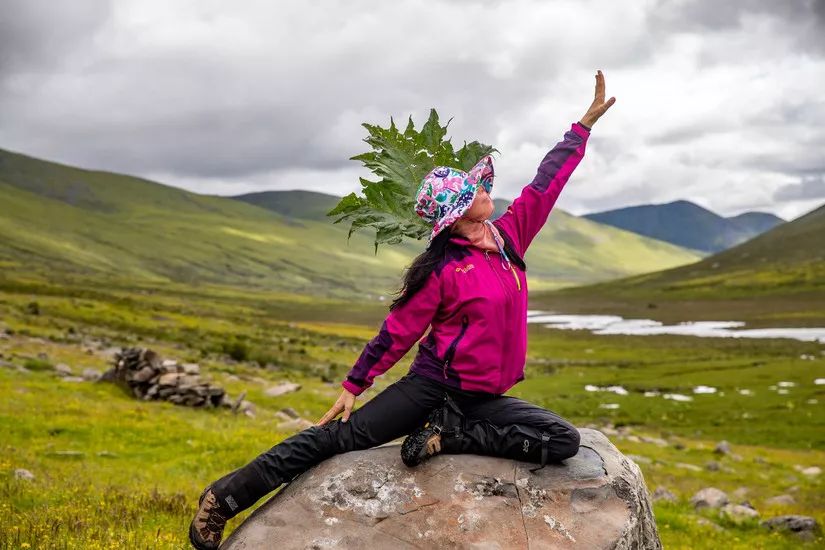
143, 464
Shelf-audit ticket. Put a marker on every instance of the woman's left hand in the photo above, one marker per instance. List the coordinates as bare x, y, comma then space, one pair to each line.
599, 105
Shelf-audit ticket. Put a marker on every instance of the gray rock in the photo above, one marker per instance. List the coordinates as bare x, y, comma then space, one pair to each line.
289, 411
712, 466
780, 500
663, 494
722, 448
707, 523
281, 389
22, 473
62, 369
709, 497
91, 375
369, 499
191, 368
73, 379
805, 527
739, 513
294, 425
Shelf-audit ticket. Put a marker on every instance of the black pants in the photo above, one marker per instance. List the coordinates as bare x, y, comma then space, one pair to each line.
496, 425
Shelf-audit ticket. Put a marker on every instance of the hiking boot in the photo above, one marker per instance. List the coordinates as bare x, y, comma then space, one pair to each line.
206, 530
425, 441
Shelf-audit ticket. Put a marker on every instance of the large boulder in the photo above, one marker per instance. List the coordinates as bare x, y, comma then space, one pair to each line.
370, 499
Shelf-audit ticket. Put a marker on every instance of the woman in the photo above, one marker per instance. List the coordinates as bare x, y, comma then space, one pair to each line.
470, 285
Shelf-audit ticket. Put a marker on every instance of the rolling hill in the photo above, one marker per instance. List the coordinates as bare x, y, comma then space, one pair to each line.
569, 250
686, 224
59, 221
786, 260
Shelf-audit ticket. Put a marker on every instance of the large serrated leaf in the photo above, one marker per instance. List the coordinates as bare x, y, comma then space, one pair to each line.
400, 161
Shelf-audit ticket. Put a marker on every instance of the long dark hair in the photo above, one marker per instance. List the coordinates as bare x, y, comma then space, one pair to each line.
419, 271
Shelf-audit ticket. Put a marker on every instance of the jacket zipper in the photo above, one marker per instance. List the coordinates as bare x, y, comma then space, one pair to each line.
448, 357
509, 297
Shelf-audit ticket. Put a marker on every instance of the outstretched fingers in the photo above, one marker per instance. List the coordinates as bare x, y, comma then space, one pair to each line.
599, 86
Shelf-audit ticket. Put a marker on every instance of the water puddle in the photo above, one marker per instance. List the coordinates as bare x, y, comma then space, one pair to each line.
615, 324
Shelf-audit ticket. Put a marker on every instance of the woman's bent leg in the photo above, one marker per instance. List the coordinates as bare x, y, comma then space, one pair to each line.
514, 428
392, 413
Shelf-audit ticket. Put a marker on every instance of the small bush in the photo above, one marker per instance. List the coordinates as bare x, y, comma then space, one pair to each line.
38, 364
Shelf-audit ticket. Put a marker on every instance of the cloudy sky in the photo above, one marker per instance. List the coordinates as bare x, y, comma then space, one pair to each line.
717, 102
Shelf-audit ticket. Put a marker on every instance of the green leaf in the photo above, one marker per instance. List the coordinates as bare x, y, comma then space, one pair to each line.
399, 161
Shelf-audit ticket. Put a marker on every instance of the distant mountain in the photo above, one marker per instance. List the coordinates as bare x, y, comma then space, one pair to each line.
686, 224
786, 260
59, 221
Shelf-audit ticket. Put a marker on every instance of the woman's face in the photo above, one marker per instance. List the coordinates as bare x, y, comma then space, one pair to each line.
482, 207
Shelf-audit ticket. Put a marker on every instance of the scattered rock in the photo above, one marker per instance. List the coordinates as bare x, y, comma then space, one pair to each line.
73, 379
691, 467
22, 473
639, 459
740, 493
707, 523
294, 425
805, 527
289, 411
663, 494
91, 375
709, 497
811, 471
62, 369
739, 513
780, 500
107, 454
596, 499
722, 448
281, 389
712, 466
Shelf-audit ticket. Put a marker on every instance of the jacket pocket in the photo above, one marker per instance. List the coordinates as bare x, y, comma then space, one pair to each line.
448, 356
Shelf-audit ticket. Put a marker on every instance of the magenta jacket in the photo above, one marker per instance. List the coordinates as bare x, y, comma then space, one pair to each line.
478, 311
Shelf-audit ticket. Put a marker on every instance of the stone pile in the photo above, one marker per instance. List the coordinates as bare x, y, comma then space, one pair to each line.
149, 377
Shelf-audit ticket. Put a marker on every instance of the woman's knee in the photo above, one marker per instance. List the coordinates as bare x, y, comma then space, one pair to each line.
569, 442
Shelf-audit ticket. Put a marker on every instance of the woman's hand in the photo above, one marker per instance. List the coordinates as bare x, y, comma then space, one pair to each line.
345, 402
599, 105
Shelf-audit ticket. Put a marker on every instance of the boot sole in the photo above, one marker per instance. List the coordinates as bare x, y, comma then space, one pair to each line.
415, 448
198, 545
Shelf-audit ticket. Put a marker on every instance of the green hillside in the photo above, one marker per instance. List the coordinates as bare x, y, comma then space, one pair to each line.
60, 221
569, 250
788, 260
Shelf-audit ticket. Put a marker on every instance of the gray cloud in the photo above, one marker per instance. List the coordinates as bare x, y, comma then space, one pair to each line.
810, 187
272, 96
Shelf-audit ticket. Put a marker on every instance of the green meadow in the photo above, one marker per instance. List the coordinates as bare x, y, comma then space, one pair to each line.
137, 468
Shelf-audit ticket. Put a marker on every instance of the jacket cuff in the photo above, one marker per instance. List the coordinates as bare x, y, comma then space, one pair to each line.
352, 388
581, 129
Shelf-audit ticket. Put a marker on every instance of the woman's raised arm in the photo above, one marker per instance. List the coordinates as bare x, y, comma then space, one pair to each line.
526, 216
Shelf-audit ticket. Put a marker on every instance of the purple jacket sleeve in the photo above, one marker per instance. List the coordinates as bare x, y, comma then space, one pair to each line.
527, 214
400, 330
